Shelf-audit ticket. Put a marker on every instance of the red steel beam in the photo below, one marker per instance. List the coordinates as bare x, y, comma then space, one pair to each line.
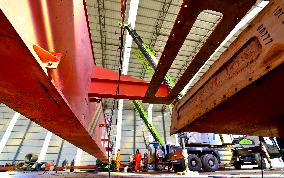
232, 11
242, 92
107, 84
59, 102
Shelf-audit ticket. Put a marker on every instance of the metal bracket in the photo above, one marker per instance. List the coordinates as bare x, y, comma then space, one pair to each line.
49, 59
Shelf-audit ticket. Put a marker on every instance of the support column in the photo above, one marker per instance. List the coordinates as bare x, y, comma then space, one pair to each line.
134, 133
60, 151
22, 141
176, 135
150, 118
164, 126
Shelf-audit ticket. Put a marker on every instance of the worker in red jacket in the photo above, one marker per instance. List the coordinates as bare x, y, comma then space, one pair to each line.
138, 158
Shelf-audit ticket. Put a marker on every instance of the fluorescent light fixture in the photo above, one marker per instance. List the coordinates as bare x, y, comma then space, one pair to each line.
78, 157
118, 126
128, 41
126, 56
241, 24
8, 131
43, 151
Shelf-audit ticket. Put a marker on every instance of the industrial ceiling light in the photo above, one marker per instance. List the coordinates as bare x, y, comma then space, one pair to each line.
8, 131
43, 151
128, 41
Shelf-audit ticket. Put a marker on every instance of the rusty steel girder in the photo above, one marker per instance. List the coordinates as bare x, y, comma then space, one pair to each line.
242, 92
232, 11
56, 99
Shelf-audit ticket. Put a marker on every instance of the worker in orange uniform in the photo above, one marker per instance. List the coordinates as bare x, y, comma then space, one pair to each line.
138, 158
118, 160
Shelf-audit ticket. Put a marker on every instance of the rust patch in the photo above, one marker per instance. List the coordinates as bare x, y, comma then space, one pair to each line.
274, 55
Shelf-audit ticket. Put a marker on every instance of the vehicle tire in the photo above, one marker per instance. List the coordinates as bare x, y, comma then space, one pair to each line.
263, 165
31, 158
258, 161
238, 165
178, 167
161, 167
209, 163
150, 166
20, 164
194, 163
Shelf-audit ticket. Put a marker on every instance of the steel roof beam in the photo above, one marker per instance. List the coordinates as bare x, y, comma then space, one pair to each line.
193, 53
101, 11
160, 20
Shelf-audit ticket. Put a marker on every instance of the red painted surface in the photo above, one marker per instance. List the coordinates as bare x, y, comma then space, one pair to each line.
106, 83
60, 105
49, 58
7, 168
46, 56
122, 9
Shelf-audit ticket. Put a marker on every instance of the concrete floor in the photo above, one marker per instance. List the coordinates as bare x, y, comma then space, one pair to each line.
223, 174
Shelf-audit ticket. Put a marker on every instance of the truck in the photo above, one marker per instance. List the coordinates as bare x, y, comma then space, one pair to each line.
248, 150
208, 153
